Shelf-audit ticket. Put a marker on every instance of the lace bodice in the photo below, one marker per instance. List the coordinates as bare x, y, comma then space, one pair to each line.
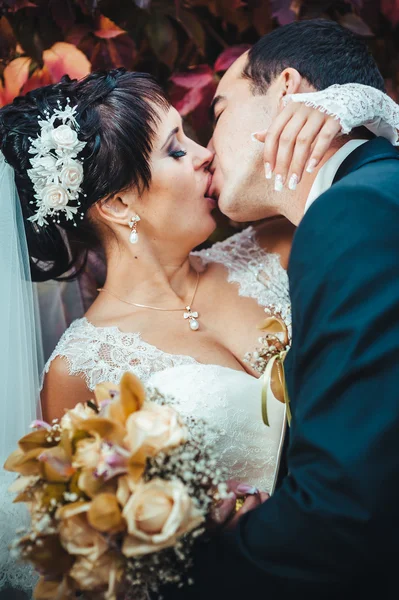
258, 273
105, 353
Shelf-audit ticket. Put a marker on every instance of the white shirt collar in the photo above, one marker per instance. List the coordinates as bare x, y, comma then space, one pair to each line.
325, 176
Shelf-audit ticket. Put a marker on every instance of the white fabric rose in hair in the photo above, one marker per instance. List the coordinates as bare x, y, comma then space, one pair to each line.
71, 175
46, 139
56, 172
54, 196
44, 163
65, 137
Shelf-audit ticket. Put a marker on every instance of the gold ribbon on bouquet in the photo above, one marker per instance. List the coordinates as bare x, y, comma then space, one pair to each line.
274, 375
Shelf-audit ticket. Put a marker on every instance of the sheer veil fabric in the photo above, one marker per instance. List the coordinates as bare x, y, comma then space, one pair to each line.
21, 361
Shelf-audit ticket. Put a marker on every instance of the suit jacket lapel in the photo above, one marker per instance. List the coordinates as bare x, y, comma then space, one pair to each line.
374, 150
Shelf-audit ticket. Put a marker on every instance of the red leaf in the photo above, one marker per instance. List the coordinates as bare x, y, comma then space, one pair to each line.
355, 24
107, 29
195, 98
122, 51
390, 8
65, 59
15, 76
8, 41
77, 33
197, 77
117, 52
38, 79
226, 59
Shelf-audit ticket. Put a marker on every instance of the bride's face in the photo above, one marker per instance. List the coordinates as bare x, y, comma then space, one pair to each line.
176, 208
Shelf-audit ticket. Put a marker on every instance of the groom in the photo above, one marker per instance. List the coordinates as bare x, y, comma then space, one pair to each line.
331, 530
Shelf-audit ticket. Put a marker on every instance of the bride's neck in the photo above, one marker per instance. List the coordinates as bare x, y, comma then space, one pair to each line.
140, 274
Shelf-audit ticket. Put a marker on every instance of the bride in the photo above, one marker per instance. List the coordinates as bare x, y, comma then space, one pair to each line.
104, 163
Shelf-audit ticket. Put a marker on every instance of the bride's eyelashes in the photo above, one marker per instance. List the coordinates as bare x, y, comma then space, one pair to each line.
177, 153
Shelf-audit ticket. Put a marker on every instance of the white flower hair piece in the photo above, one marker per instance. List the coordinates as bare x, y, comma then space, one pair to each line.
56, 172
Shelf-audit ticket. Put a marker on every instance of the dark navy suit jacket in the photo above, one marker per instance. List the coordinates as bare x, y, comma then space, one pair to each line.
331, 530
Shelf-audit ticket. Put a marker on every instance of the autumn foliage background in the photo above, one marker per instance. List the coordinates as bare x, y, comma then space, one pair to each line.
185, 44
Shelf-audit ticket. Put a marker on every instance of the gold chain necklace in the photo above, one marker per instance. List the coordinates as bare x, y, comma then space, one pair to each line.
188, 314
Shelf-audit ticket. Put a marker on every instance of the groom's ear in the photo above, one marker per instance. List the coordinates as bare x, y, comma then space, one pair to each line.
290, 81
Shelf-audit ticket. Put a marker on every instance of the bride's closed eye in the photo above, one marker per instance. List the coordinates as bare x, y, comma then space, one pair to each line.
176, 153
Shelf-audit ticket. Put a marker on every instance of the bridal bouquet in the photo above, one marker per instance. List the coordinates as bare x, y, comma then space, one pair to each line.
118, 490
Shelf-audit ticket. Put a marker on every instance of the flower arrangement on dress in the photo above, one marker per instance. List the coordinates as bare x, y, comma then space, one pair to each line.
118, 491
56, 172
275, 339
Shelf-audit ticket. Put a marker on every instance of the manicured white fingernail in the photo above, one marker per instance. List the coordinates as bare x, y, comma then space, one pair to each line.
278, 183
293, 182
311, 166
253, 136
268, 171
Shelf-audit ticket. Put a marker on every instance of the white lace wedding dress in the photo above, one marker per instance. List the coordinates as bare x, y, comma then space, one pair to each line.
229, 400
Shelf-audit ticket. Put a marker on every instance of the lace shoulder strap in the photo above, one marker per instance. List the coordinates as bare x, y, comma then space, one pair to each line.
355, 104
104, 353
257, 272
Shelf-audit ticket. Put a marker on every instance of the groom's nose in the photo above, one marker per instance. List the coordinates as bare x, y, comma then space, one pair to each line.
211, 148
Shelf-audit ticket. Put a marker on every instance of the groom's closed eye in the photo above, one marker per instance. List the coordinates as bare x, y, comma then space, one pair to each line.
212, 110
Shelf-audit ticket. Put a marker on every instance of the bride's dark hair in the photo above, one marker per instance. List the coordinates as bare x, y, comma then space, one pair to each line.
117, 116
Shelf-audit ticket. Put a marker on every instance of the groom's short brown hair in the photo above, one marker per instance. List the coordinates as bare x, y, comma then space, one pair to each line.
322, 51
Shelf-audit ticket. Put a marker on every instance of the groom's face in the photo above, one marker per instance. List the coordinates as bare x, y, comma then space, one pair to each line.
239, 182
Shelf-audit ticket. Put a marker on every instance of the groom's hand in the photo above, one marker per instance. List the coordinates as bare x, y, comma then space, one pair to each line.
226, 513
251, 501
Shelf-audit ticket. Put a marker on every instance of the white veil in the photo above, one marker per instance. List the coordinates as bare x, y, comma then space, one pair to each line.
20, 363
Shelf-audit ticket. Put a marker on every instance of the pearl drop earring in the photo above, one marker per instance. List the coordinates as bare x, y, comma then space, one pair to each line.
134, 237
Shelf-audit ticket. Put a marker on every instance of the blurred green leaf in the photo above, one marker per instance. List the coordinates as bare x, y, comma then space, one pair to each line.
162, 36
193, 28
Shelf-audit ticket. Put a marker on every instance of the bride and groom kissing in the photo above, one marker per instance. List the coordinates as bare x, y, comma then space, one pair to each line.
150, 202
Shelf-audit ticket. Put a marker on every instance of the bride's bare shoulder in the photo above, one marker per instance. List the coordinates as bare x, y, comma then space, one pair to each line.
61, 390
275, 235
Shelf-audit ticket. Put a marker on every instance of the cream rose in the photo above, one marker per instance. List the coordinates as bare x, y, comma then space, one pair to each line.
154, 429
76, 535
157, 514
46, 138
65, 137
103, 573
55, 196
72, 419
88, 453
71, 175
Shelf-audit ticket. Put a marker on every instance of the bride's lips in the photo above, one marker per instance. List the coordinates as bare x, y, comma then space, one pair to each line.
212, 190
208, 194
